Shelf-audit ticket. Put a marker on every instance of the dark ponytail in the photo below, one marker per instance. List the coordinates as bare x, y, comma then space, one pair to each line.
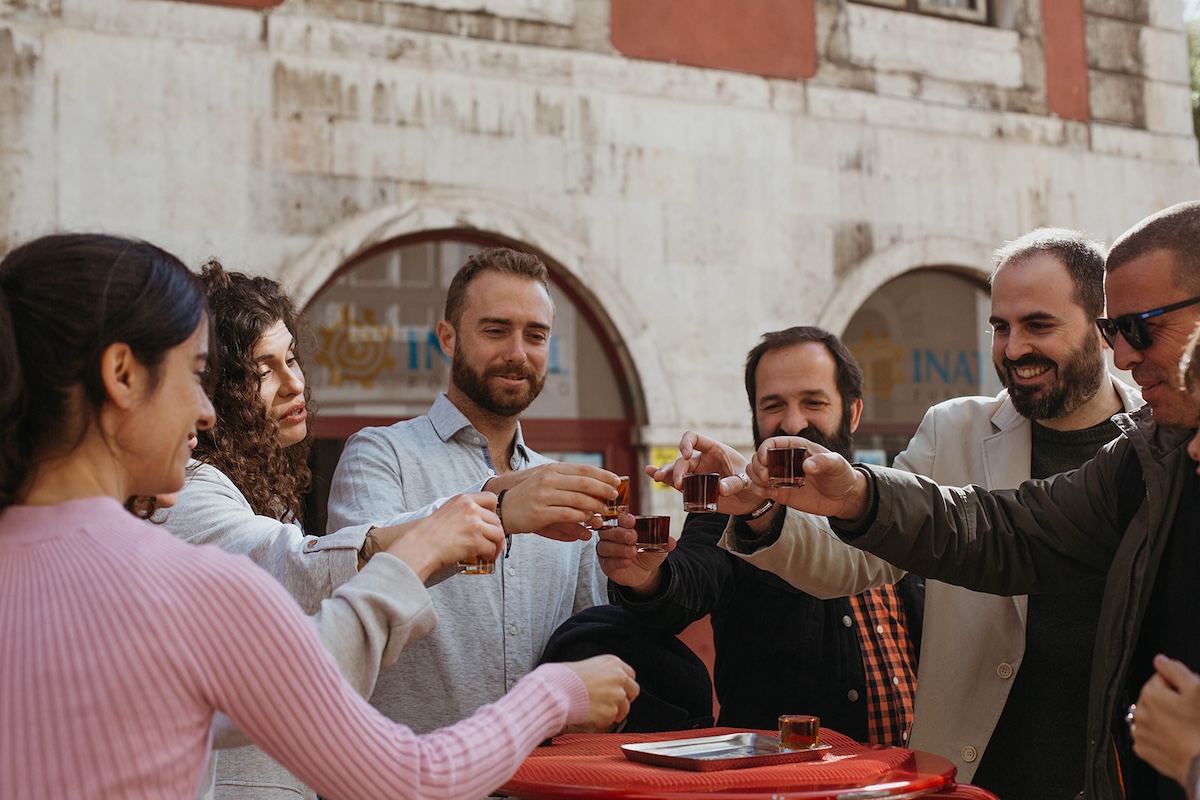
63, 300
12, 403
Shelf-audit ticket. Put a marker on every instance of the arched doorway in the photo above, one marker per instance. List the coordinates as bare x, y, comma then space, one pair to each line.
921, 338
377, 360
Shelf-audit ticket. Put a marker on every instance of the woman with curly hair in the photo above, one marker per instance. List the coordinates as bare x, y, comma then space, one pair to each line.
243, 492
261, 441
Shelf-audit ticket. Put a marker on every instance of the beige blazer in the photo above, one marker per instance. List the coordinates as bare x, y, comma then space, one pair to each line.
973, 643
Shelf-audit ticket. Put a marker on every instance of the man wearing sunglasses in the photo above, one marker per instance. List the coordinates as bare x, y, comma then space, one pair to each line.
1130, 515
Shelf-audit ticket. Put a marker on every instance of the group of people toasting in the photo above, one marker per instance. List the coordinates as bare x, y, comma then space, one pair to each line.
1032, 626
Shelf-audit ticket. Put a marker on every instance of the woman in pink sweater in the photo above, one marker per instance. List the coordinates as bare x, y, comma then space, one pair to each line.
118, 642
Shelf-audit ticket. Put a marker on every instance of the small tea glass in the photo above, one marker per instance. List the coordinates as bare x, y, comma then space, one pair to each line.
652, 533
618, 506
798, 731
700, 492
785, 467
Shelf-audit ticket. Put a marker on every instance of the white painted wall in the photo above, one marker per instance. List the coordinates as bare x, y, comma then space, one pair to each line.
711, 205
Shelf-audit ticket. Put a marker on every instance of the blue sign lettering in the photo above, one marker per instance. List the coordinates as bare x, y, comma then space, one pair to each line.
555, 367
948, 368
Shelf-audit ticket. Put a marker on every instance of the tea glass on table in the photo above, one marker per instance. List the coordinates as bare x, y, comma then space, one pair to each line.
798, 731
785, 467
700, 492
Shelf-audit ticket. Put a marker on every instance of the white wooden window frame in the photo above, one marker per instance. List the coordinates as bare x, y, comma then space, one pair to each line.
977, 14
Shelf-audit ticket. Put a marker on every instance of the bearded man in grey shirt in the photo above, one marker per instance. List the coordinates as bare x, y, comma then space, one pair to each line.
491, 628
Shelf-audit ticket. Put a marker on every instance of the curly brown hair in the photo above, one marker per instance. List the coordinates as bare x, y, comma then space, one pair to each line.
244, 442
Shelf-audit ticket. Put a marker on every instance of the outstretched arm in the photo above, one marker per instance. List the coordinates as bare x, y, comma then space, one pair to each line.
810, 556
254, 633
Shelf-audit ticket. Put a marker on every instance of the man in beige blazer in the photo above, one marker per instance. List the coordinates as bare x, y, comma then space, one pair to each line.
974, 705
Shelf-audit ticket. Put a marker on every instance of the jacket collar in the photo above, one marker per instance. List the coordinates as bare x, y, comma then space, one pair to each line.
1006, 415
1141, 428
1131, 396
1006, 452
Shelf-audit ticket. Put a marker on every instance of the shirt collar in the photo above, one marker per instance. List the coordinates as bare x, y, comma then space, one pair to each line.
448, 422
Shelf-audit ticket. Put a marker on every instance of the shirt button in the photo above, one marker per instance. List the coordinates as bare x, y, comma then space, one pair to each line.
1004, 671
512, 629
969, 754
312, 543
895, 681
852, 695
512, 571
879, 629
847, 621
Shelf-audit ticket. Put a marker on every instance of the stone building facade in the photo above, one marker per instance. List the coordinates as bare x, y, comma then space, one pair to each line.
695, 172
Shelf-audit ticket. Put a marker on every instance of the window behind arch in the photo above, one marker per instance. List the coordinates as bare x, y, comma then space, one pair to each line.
973, 10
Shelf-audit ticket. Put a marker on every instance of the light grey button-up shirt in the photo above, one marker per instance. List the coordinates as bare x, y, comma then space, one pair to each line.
491, 628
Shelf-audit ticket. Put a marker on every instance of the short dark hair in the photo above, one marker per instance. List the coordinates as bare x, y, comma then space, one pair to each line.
494, 259
64, 299
849, 374
244, 442
1082, 256
1176, 230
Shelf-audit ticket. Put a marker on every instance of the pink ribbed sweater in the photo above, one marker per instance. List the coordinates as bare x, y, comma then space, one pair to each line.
118, 641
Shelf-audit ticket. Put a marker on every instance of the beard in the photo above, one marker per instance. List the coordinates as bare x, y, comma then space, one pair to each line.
840, 441
502, 402
1079, 378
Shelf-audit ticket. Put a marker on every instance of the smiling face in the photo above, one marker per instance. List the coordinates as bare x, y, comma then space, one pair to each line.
1046, 349
281, 383
501, 345
797, 395
162, 433
1142, 284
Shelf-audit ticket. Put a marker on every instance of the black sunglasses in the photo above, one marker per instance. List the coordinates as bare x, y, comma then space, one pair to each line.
1133, 326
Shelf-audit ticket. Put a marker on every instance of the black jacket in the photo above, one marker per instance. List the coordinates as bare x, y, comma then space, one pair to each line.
778, 650
1053, 535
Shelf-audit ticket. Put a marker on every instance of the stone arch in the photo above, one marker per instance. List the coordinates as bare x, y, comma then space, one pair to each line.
966, 256
486, 214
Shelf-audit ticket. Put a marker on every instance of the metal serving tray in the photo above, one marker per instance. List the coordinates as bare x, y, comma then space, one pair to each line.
710, 753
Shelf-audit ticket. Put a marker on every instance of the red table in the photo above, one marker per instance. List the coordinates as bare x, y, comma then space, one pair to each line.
593, 766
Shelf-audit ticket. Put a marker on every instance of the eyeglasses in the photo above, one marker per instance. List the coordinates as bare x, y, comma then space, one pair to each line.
1133, 326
